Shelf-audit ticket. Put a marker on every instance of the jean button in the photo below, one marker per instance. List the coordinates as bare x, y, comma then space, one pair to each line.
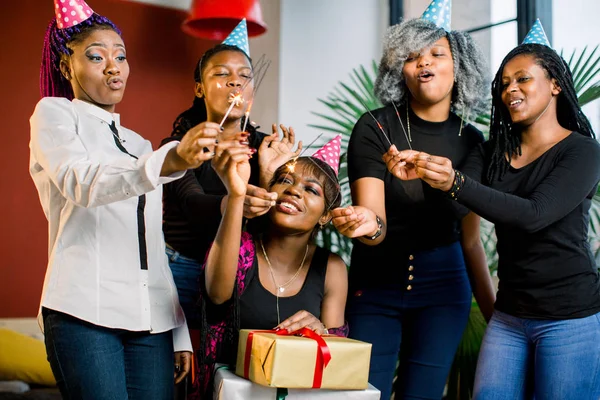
411, 257
410, 277
409, 287
410, 268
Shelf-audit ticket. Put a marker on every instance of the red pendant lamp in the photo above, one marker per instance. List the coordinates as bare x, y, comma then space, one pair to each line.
215, 19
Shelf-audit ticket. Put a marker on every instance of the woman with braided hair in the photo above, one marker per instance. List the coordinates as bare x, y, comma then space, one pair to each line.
113, 325
534, 179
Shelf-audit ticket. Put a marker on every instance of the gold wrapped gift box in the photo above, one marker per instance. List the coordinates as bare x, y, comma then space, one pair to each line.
290, 361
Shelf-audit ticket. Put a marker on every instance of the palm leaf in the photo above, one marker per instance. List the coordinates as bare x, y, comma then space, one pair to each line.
590, 94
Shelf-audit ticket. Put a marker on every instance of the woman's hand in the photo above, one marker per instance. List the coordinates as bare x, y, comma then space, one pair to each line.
231, 164
183, 363
275, 151
302, 319
436, 171
258, 201
355, 221
196, 146
401, 164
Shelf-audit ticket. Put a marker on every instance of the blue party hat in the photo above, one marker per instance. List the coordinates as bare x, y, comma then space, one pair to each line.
536, 35
239, 37
439, 12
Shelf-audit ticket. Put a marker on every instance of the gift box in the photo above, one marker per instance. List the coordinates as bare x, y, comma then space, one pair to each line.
229, 386
303, 360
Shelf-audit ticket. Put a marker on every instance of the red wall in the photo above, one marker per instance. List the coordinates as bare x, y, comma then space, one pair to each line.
162, 60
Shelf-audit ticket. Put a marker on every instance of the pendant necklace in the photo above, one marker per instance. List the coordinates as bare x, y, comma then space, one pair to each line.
281, 288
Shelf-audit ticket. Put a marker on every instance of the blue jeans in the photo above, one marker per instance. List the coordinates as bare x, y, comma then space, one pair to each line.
186, 274
98, 363
424, 323
546, 359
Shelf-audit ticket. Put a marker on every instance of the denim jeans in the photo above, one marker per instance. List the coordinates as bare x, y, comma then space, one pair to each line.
542, 359
91, 362
186, 274
426, 321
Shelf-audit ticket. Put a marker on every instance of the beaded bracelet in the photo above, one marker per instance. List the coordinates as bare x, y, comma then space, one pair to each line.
457, 185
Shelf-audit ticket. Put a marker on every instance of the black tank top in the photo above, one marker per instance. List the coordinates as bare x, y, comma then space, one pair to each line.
258, 306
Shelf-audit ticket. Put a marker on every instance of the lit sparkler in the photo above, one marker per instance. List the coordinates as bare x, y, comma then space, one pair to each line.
247, 114
236, 99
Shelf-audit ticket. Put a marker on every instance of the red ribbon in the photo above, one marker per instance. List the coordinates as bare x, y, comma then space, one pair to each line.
323, 352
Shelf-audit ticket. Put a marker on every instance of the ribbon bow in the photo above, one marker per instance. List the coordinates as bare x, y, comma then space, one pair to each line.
323, 352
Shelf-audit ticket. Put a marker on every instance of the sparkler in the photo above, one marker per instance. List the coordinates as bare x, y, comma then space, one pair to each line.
259, 72
247, 114
402, 125
236, 99
372, 116
399, 120
292, 163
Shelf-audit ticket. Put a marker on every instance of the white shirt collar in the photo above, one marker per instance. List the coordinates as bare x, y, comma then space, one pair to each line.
97, 112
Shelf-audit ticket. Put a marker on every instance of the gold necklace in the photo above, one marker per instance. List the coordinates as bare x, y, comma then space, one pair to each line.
281, 288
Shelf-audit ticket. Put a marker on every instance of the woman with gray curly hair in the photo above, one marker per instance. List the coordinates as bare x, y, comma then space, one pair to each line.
417, 257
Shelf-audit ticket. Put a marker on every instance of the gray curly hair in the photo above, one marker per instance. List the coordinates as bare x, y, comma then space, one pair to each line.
471, 93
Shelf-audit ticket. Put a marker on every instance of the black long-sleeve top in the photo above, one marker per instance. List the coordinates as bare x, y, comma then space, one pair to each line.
192, 205
418, 217
541, 213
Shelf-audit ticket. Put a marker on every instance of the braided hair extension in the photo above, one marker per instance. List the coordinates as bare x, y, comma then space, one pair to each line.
197, 112
505, 137
57, 44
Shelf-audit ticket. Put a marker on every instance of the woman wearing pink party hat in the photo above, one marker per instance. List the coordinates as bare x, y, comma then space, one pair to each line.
113, 325
274, 276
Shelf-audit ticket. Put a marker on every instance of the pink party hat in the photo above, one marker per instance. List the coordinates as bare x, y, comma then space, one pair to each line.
330, 153
71, 12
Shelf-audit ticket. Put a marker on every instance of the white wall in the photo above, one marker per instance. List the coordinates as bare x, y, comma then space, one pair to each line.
321, 42
575, 25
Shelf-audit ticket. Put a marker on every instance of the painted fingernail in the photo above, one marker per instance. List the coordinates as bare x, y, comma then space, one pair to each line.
216, 141
221, 128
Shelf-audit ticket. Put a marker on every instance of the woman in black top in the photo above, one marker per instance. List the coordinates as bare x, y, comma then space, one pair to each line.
194, 204
408, 279
273, 276
535, 180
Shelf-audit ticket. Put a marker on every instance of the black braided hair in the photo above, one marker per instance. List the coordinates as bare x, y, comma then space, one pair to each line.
197, 112
505, 137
